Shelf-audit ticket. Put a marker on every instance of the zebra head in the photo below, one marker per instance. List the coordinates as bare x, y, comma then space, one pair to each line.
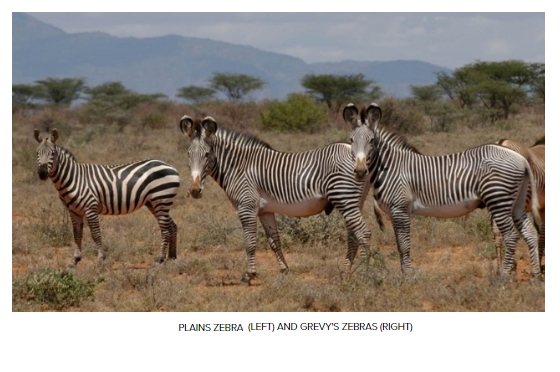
47, 156
362, 136
201, 157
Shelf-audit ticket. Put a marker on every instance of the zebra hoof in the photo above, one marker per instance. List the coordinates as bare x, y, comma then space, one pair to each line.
248, 277
284, 271
101, 257
160, 260
74, 262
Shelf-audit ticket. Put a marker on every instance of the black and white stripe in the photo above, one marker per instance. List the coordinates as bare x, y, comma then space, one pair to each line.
260, 181
407, 182
88, 190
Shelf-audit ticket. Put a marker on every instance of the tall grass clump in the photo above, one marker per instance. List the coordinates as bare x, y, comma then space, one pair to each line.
297, 114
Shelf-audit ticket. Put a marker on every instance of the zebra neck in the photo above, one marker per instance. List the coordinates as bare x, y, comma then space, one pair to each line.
233, 150
63, 165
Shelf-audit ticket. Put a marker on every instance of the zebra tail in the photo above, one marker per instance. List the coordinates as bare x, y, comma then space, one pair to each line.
534, 198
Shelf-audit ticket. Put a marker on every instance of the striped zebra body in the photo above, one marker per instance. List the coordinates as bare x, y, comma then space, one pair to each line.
260, 181
535, 156
407, 182
88, 190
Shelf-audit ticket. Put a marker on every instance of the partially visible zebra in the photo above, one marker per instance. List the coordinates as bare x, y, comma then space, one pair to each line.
260, 181
535, 156
88, 190
406, 182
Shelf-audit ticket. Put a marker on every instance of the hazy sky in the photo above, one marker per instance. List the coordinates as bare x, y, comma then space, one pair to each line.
446, 39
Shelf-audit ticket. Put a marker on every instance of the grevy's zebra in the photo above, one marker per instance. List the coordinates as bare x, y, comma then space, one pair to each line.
535, 156
406, 182
260, 181
90, 190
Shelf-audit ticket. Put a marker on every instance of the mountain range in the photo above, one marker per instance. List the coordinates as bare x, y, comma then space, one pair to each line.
164, 64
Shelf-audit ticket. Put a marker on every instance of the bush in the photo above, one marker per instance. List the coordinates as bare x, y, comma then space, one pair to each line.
315, 229
403, 116
443, 115
297, 114
154, 120
58, 289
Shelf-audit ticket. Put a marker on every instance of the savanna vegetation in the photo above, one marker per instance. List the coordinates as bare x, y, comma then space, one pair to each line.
453, 259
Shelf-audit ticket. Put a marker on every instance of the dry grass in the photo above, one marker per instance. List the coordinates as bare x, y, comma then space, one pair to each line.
453, 259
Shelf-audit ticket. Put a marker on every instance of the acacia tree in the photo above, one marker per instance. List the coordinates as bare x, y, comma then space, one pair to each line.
495, 85
61, 91
426, 93
196, 94
337, 90
537, 85
23, 96
235, 86
115, 94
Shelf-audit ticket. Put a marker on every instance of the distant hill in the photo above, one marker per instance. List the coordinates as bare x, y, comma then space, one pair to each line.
164, 64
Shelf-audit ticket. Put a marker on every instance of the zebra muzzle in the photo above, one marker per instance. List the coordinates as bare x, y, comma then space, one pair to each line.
43, 172
360, 170
196, 189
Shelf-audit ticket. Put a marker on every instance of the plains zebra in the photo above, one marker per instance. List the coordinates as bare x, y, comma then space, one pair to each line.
535, 156
260, 181
406, 182
88, 190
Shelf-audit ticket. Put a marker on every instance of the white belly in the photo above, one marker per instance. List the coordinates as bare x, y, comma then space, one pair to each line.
445, 211
302, 209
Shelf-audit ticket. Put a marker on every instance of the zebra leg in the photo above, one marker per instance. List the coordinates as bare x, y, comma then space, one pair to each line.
529, 233
78, 229
248, 218
93, 222
173, 240
168, 235
168, 230
358, 235
497, 243
510, 237
353, 245
270, 226
401, 225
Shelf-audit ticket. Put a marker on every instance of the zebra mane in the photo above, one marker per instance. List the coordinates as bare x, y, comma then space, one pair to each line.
244, 139
396, 139
65, 152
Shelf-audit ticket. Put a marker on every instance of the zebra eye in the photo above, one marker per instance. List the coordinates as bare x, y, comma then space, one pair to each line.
351, 140
206, 155
371, 141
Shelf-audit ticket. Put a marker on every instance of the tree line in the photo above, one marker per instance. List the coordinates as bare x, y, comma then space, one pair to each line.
489, 90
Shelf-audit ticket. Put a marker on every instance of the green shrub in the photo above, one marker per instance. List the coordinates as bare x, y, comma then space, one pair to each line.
443, 115
297, 114
154, 120
315, 229
402, 115
58, 289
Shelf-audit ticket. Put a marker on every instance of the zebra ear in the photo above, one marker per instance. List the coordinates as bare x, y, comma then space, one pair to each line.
54, 135
373, 114
187, 126
38, 136
350, 114
210, 126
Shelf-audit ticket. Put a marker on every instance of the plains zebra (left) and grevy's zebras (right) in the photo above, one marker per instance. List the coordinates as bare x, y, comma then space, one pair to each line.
88, 190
